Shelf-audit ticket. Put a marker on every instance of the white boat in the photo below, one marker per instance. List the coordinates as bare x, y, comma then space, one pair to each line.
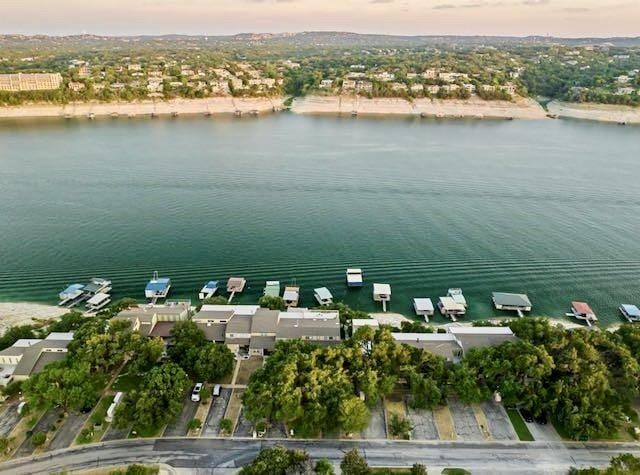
354, 277
98, 301
323, 296
209, 290
457, 296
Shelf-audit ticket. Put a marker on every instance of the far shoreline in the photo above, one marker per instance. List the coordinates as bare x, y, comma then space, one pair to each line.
332, 105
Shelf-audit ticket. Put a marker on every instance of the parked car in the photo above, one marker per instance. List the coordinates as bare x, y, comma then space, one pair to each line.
526, 415
542, 419
216, 390
195, 394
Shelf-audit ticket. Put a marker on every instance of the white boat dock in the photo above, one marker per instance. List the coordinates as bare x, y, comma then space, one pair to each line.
98, 286
291, 296
457, 296
423, 307
209, 290
382, 293
630, 312
72, 295
323, 296
157, 288
272, 288
98, 302
450, 308
515, 302
354, 277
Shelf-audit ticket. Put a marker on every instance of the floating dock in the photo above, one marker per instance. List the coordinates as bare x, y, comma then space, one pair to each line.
72, 295
582, 311
291, 296
235, 285
98, 302
354, 277
382, 293
450, 308
630, 312
516, 302
209, 290
423, 307
457, 296
323, 296
272, 288
157, 288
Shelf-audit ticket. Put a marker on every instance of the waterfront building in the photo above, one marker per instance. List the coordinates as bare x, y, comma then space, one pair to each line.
630, 312
506, 301
423, 307
323, 296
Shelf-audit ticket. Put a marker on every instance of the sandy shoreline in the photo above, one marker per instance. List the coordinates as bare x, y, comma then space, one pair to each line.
595, 112
452, 108
214, 105
25, 313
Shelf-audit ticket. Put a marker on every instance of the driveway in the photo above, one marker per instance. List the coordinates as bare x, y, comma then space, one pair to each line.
464, 421
216, 413
68, 431
9, 418
179, 426
424, 427
277, 430
543, 432
43, 425
498, 420
376, 428
244, 427
116, 434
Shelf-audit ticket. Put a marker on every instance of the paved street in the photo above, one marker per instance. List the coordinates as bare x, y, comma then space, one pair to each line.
202, 453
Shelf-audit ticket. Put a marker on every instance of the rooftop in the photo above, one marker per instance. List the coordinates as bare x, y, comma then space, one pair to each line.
511, 300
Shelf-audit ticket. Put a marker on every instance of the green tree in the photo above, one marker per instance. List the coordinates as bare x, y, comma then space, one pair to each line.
38, 439
213, 361
324, 467
354, 464
158, 401
400, 426
215, 300
418, 469
279, 461
272, 302
68, 322
188, 339
226, 426
353, 414
14, 334
194, 424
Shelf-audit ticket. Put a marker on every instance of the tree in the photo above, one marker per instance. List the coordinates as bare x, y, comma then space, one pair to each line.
212, 362
158, 401
354, 464
215, 300
226, 426
418, 469
194, 424
353, 414
14, 334
38, 439
272, 302
400, 426
425, 393
65, 384
205, 394
145, 353
188, 339
279, 461
323, 467
68, 322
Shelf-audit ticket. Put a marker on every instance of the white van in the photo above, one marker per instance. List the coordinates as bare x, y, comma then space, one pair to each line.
195, 394
216, 390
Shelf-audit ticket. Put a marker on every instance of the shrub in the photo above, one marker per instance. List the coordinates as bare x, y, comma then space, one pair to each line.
38, 439
194, 424
400, 426
226, 426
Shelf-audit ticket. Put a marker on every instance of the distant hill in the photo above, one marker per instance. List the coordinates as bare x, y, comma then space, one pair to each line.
315, 38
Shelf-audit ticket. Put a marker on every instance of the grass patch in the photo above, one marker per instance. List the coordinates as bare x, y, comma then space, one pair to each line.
519, 425
151, 431
386, 470
89, 432
456, 471
126, 382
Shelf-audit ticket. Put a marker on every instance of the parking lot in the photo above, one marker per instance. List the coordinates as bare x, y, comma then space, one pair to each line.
464, 421
244, 427
216, 413
8, 419
499, 424
67, 433
424, 427
179, 427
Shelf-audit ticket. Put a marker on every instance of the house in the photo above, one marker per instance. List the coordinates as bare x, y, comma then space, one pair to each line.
442, 344
30, 82
475, 337
29, 356
155, 320
316, 326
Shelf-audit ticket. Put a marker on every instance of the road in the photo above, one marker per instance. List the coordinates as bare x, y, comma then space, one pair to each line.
207, 454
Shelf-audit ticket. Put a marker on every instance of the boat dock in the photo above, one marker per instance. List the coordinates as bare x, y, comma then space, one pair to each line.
75, 294
423, 307
72, 295
323, 296
157, 288
235, 285
209, 290
272, 288
630, 312
450, 308
382, 293
291, 295
582, 311
354, 277
516, 302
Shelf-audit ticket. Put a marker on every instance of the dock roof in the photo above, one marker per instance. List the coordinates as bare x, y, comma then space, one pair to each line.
631, 310
382, 289
449, 304
158, 284
511, 300
423, 304
323, 293
582, 308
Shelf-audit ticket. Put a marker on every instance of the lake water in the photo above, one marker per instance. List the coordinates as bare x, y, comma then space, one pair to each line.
548, 208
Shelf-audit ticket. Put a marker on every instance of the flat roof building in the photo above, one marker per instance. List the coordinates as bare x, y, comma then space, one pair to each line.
30, 82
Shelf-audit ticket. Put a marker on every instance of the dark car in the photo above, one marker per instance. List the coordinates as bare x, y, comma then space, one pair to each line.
526, 415
542, 419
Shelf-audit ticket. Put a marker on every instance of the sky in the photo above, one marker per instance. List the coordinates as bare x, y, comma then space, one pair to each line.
568, 18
